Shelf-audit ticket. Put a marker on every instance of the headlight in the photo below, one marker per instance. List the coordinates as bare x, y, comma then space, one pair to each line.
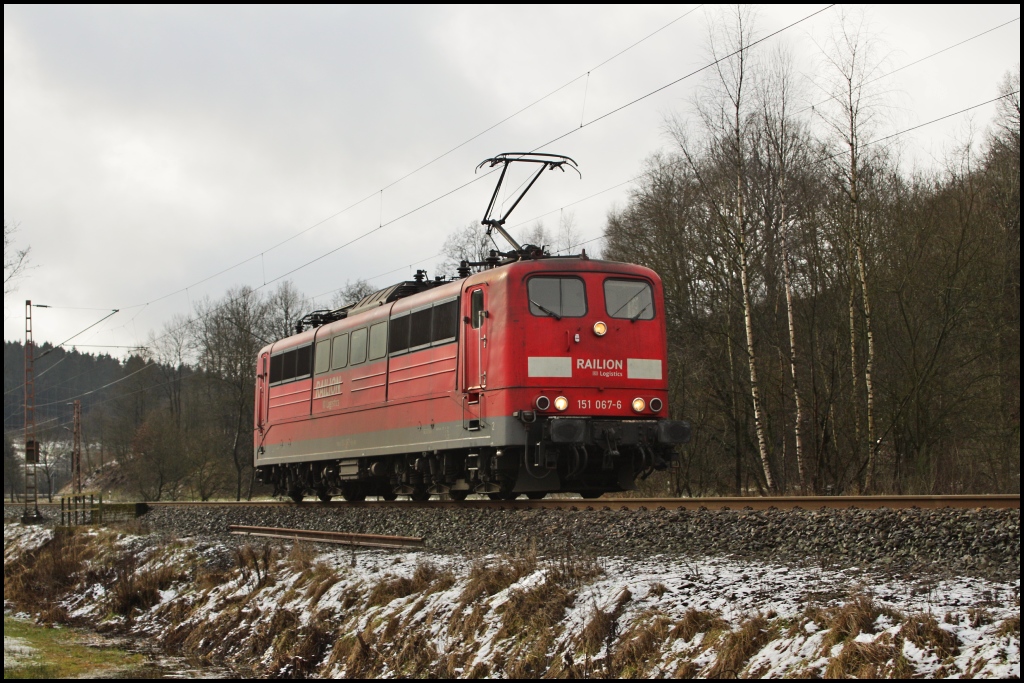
561, 403
656, 405
639, 405
600, 329
542, 403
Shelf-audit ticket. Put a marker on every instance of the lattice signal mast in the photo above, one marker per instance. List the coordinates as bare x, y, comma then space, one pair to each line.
31, 445
76, 449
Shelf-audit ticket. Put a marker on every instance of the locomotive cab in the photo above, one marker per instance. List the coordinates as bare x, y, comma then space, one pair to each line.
572, 356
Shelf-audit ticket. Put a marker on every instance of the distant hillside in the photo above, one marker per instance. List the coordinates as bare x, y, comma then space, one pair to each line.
60, 376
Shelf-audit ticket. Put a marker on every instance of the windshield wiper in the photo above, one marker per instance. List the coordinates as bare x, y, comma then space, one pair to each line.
628, 302
640, 313
551, 313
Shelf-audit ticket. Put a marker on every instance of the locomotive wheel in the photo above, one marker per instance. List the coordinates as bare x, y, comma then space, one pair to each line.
458, 495
503, 496
590, 495
389, 496
353, 496
324, 496
420, 495
536, 495
295, 495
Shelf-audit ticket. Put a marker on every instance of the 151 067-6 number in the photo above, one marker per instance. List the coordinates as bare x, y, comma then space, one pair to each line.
590, 404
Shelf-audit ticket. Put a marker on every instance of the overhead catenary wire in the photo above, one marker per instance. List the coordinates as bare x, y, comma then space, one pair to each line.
464, 185
379, 192
54, 348
594, 239
685, 77
601, 117
815, 162
918, 61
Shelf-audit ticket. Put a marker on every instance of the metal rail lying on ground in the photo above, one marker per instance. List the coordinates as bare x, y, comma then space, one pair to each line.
336, 537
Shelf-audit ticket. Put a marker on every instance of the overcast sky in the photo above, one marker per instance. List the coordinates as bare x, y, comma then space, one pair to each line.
148, 148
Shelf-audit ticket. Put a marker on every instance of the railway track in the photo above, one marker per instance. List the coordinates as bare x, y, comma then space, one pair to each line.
991, 501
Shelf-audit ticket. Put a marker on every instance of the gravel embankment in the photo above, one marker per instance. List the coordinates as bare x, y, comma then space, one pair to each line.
983, 542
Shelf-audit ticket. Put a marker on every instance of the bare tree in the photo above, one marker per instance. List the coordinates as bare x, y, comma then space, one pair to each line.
285, 306
537, 235
569, 235
15, 260
468, 243
230, 336
725, 111
785, 140
351, 293
173, 351
851, 114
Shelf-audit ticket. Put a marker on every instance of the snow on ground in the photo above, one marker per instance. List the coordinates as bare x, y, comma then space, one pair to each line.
792, 607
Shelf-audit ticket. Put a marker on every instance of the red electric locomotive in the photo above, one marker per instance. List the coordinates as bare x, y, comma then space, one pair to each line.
538, 374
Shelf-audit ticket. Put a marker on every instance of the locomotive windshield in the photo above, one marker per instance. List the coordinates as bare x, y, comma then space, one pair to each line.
557, 297
630, 299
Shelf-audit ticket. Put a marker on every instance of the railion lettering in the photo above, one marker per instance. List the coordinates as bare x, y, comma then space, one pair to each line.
598, 364
323, 388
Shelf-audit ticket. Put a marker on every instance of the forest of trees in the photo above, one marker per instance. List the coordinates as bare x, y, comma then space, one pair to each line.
176, 415
837, 322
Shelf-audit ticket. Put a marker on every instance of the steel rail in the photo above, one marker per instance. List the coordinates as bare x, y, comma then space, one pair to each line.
991, 501
336, 537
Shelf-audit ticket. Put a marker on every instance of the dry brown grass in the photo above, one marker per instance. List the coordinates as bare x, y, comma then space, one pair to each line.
640, 647
489, 577
465, 626
538, 607
138, 589
298, 651
977, 617
256, 565
207, 640
1009, 627
600, 629
37, 580
880, 659
598, 633
739, 646
844, 622
320, 577
530, 618
697, 621
300, 557
924, 631
573, 571
427, 578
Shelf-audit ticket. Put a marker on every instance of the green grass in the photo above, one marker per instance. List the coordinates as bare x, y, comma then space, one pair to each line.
63, 653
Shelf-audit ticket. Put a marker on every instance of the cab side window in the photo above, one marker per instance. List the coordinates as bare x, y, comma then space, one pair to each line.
476, 305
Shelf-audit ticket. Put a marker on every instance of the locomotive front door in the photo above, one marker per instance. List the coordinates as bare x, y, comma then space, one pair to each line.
262, 399
476, 342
